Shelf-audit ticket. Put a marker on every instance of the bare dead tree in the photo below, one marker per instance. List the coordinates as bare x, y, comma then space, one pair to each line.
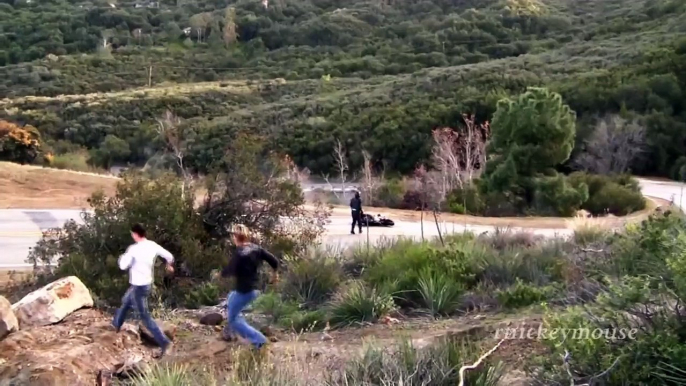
169, 128
613, 146
459, 157
341, 163
371, 180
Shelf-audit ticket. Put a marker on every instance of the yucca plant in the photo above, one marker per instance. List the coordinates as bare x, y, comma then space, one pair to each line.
439, 294
359, 303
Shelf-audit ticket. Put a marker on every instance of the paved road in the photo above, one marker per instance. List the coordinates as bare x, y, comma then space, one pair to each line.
21, 229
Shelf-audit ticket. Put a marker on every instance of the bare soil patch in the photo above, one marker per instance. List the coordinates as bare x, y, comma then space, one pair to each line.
30, 187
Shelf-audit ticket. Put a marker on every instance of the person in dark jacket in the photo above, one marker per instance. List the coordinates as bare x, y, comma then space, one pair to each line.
356, 211
244, 267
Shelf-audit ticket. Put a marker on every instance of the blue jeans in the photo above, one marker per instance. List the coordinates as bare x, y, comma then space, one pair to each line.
137, 296
235, 303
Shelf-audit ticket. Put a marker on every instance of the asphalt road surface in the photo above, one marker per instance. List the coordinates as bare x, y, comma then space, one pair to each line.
21, 229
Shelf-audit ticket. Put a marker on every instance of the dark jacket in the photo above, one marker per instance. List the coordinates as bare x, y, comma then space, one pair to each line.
356, 205
245, 264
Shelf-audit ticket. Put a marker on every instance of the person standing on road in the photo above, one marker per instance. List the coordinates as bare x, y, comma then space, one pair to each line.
139, 260
356, 211
244, 267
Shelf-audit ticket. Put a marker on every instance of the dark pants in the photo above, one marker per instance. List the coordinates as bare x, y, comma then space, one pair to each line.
357, 219
137, 297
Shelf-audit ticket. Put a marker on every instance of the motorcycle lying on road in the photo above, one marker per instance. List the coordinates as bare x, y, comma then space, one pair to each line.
376, 221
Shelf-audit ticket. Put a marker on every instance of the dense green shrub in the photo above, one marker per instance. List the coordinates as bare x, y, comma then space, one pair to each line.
91, 250
205, 294
522, 295
358, 303
401, 268
466, 200
311, 281
439, 294
618, 195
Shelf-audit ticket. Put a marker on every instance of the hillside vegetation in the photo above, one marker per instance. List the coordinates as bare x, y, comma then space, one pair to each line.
378, 76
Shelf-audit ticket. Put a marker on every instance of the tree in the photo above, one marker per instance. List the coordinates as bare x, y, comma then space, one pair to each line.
230, 34
19, 144
341, 167
113, 149
532, 134
613, 146
458, 157
170, 130
252, 187
536, 129
371, 180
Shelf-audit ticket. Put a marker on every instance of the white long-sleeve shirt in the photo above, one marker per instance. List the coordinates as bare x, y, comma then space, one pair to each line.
139, 259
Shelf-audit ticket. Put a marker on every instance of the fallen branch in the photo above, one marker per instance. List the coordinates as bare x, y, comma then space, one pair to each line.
478, 362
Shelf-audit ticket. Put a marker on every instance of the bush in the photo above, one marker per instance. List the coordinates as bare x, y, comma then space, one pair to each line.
400, 268
271, 305
641, 330
439, 293
555, 196
522, 295
311, 281
77, 161
205, 294
615, 199
360, 303
90, 250
618, 195
466, 201
390, 194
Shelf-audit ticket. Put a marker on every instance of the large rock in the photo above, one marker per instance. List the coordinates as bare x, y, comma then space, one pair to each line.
53, 302
8, 322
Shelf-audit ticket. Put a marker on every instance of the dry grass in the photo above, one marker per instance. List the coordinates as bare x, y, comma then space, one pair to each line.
30, 187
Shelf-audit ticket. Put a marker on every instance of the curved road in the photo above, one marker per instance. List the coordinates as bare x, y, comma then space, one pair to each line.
21, 229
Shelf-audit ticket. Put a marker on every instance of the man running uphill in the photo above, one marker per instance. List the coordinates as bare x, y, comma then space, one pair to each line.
244, 267
139, 260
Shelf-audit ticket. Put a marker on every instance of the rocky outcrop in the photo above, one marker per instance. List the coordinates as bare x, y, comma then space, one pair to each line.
53, 302
8, 321
68, 353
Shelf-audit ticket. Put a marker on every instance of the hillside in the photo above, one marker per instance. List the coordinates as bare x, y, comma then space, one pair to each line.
398, 70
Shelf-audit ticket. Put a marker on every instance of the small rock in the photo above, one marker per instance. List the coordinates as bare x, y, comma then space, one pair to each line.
8, 321
168, 329
212, 319
104, 378
132, 366
53, 302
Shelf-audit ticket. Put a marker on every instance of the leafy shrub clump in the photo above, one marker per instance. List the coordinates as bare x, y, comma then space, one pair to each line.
312, 280
91, 250
360, 303
204, 294
617, 195
400, 269
522, 295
